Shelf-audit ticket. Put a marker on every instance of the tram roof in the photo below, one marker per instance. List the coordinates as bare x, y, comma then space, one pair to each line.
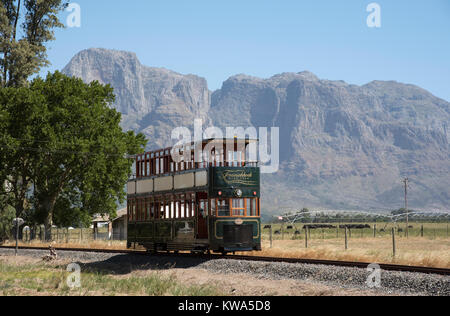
207, 142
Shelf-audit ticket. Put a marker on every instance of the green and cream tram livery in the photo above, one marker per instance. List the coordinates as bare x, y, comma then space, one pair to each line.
195, 206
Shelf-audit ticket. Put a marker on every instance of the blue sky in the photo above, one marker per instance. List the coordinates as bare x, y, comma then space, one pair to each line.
218, 39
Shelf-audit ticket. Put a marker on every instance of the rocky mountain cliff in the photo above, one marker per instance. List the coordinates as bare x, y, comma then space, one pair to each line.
152, 100
342, 146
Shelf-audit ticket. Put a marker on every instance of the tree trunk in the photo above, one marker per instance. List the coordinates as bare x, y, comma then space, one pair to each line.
48, 206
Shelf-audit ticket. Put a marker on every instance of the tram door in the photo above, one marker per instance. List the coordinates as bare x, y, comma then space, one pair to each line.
202, 213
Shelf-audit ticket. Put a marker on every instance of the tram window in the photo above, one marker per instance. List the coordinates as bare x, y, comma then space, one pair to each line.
138, 210
162, 209
144, 209
151, 207
177, 208
238, 207
251, 207
147, 209
203, 208
136, 213
189, 208
156, 209
137, 168
213, 207
182, 209
130, 211
168, 208
161, 163
193, 207
172, 206
185, 209
187, 204
223, 207
136, 216
133, 216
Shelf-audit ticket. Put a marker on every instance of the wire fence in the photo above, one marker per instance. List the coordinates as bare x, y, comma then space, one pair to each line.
309, 234
66, 235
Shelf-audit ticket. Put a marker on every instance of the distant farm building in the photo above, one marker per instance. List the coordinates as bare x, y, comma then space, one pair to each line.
119, 225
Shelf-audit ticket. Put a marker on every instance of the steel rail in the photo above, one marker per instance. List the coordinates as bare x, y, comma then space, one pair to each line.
362, 265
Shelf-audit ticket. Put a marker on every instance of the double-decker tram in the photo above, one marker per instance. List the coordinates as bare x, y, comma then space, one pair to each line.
199, 205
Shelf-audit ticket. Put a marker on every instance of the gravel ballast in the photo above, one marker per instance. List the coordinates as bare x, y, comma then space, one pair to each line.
391, 282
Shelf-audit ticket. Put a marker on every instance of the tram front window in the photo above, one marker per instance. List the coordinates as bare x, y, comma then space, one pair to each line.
238, 207
243, 207
223, 208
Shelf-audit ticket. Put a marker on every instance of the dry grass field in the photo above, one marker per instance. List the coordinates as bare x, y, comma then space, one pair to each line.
431, 250
25, 276
412, 251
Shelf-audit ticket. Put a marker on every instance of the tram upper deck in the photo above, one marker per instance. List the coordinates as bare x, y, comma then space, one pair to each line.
201, 155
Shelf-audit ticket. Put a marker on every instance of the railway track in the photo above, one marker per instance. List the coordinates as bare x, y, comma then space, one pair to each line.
362, 265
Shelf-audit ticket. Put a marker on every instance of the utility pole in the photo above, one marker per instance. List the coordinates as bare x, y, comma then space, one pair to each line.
405, 182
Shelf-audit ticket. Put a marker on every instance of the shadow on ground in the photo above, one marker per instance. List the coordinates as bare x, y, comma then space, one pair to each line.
127, 263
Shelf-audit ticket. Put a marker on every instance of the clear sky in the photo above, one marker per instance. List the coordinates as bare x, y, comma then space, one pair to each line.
217, 39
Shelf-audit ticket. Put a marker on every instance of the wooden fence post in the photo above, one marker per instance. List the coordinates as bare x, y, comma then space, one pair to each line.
306, 237
421, 231
346, 238
271, 238
375, 231
394, 250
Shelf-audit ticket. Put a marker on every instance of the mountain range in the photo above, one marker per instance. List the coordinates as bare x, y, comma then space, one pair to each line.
342, 146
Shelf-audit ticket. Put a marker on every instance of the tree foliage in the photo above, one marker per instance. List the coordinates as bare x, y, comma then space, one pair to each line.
66, 151
21, 108
22, 46
6, 220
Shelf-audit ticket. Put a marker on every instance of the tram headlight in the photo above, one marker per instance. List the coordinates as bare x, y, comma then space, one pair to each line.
238, 193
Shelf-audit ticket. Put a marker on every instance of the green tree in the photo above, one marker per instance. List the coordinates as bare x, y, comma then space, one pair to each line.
19, 154
22, 46
6, 219
76, 151
306, 216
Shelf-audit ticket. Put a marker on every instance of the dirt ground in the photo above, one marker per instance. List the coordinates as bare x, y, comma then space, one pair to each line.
245, 285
